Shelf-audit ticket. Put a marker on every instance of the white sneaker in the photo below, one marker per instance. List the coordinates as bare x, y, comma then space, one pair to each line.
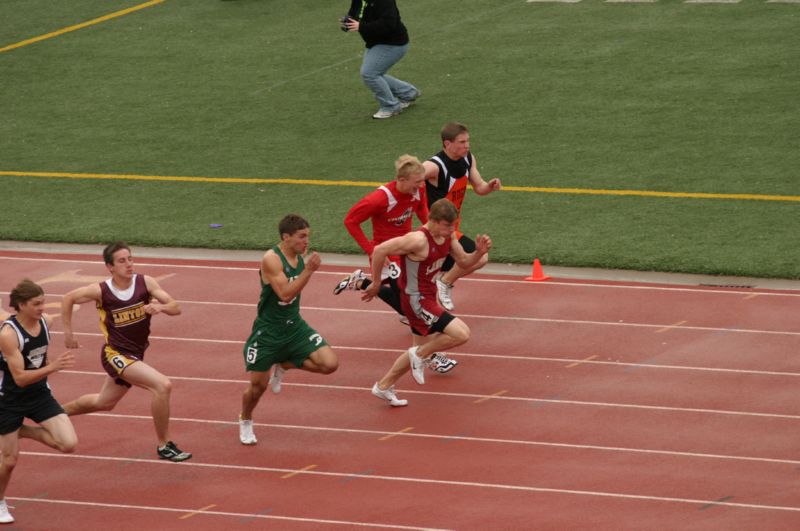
349, 282
439, 362
276, 378
382, 115
403, 319
444, 292
5, 516
246, 435
417, 365
388, 395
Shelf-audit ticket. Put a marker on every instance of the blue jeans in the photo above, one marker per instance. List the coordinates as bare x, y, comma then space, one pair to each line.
389, 91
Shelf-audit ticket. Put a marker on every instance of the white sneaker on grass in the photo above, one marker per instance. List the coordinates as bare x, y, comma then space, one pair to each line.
246, 435
276, 378
417, 365
388, 395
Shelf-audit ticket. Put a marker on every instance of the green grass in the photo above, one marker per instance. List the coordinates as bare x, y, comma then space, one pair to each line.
666, 96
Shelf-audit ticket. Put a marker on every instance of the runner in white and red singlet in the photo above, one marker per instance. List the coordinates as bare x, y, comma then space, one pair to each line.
423, 252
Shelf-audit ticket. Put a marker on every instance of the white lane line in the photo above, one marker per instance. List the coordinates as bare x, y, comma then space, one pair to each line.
638, 365
559, 284
491, 440
473, 396
243, 516
513, 318
426, 481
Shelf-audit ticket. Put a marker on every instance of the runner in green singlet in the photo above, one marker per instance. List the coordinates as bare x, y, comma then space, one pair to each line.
280, 337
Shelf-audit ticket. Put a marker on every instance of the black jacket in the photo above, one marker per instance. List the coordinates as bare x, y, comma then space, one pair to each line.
379, 22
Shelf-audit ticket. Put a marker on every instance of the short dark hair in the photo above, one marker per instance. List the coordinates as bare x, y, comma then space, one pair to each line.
443, 210
452, 129
290, 224
26, 290
111, 248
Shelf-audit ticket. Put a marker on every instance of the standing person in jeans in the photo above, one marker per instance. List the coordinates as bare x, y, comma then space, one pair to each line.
378, 22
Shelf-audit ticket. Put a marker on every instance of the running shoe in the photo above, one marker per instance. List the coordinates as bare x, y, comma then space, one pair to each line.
276, 379
439, 362
444, 292
5, 516
349, 282
417, 365
246, 435
403, 319
388, 395
173, 453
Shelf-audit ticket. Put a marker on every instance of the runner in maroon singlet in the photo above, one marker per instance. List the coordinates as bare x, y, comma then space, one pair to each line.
423, 251
126, 302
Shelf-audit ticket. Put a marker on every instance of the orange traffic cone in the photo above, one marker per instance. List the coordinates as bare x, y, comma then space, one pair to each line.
538, 274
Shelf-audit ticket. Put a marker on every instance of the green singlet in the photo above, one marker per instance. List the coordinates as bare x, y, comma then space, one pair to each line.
279, 333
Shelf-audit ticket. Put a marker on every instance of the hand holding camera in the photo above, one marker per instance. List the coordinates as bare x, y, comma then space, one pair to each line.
344, 21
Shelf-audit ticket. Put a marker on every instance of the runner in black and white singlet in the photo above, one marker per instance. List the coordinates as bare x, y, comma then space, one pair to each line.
447, 174
125, 302
24, 391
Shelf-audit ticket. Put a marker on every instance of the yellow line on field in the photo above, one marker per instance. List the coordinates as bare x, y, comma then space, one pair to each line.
80, 26
324, 182
235, 180
649, 193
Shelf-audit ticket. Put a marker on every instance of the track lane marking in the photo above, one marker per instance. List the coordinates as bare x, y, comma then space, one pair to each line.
584, 360
427, 481
198, 511
493, 395
524, 399
396, 433
467, 438
300, 471
215, 513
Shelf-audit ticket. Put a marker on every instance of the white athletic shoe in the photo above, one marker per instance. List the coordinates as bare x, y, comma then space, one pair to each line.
444, 292
388, 395
276, 379
439, 362
246, 435
403, 319
5, 516
417, 365
349, 282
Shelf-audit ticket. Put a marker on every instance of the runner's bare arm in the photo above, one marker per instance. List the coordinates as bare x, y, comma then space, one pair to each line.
166, 304
76, 296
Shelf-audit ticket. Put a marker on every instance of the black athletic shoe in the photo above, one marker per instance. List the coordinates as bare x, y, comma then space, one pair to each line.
173, 453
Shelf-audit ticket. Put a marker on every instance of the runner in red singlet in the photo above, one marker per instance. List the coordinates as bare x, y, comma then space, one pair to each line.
423, 252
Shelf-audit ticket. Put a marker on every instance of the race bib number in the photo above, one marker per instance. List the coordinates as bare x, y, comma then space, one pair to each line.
316, 339
252, 353
394, 270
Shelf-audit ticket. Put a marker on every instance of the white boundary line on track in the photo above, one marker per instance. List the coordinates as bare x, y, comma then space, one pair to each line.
624, 364
473, 396
194, 511
437, 482
488, 280
492, 440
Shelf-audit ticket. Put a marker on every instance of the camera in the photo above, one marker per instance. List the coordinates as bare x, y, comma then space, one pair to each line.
343, 22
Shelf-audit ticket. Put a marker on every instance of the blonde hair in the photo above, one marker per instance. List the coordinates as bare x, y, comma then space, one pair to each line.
407, 166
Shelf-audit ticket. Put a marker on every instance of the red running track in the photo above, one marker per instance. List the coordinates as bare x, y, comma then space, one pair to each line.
576, 405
